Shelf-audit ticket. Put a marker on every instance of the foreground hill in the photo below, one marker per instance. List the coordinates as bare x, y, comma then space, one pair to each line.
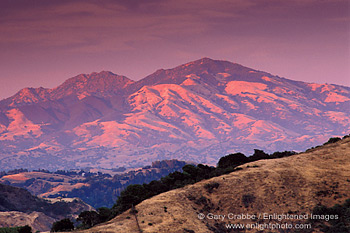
290, 185
196, 111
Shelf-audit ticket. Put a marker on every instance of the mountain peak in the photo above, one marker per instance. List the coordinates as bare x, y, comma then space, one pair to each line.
28, 95
101, 74
205, 59
101, 84
206, 69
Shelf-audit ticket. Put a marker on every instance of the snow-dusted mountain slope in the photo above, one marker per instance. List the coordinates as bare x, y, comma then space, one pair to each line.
198, 111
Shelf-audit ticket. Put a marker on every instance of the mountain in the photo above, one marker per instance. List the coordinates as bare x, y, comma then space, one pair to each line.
271, 190
198, 111
18, 208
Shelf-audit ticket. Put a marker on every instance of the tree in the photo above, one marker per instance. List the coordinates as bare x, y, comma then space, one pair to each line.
191, 170
25, 229
88, 219
278, 154
332, 140
105, 214
132, 195
259, 154
232, 160
63, 225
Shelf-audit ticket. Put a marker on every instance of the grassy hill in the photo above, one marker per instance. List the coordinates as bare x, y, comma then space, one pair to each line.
291, 185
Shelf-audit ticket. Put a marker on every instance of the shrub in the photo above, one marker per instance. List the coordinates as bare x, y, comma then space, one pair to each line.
339, 224
201, 201
247, 199
210, 186
188, 231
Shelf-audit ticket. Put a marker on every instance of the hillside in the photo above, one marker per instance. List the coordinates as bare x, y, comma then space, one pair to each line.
293, 185
18, 208
196, 111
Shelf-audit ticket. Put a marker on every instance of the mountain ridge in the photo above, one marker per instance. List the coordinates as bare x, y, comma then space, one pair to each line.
98, 84
198, 110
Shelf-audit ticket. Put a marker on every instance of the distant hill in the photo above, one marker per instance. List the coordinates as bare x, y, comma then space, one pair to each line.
197, 111
292, 185
95, 189
18, 208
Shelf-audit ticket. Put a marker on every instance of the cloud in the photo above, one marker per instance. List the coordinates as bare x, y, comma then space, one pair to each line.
84, 25
100, 26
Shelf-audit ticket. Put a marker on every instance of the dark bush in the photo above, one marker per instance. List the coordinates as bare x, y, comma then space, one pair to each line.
210, 186
335, 225
201, 201
248, 199
188, 231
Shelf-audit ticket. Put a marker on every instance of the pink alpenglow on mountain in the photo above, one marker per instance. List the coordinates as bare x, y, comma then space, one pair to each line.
199, 111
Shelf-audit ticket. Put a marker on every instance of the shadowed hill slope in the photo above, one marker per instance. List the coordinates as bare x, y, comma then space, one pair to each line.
18, 208
291, 185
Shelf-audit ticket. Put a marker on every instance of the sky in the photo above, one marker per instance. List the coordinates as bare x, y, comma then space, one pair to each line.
43, 43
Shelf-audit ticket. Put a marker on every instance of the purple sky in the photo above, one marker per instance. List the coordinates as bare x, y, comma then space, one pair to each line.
43, 43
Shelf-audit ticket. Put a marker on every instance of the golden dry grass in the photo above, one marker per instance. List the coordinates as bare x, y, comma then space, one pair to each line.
293, 184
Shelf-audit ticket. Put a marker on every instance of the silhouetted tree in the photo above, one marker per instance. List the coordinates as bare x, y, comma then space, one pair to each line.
63, 225
258, 154
88, 219
332, 140
232, 160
